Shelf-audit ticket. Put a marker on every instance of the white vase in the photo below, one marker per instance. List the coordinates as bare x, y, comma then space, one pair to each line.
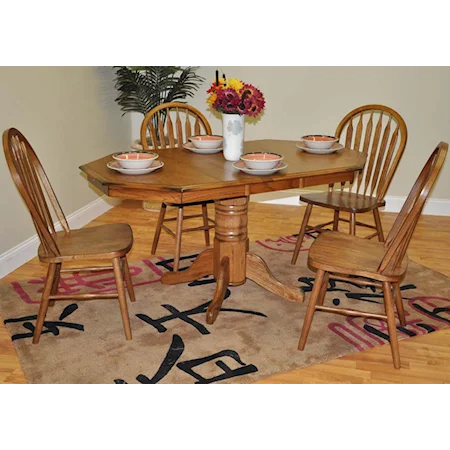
233, 136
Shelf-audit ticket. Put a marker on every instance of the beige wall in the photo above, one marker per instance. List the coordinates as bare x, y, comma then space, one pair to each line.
69, 116
307, 100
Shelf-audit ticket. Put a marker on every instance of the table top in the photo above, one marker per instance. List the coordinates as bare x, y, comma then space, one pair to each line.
188, 176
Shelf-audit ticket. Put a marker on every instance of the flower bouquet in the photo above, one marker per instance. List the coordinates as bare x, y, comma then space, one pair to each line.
235, 100
235, 97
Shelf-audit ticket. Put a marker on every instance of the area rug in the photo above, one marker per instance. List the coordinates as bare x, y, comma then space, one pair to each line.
255, 335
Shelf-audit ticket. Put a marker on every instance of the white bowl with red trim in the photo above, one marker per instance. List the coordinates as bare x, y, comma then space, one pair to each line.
207, 141
319, 141
135, 160
261, 160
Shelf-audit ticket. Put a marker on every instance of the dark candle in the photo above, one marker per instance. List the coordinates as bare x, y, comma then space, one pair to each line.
217, 78
223, 75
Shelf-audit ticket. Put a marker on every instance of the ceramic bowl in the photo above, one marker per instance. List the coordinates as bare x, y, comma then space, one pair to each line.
261, 160
207, 141
319, 141
135, 160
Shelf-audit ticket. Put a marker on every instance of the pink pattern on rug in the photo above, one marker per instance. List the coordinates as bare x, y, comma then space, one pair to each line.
354, 333
349, 336
99, 282
430, 301
287, 244
153, 267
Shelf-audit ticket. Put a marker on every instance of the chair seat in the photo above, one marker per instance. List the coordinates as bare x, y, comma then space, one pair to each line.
337, 252
344, 201
103, 242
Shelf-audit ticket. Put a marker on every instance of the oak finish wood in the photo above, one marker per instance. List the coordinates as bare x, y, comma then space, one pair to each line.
425, 358
111, 242
335, 253
383, 139
212, 178
156, 128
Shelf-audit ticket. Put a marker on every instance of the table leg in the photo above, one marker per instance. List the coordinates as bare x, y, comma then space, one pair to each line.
258, 272
230, 261
230, 239
201, 267
223, 281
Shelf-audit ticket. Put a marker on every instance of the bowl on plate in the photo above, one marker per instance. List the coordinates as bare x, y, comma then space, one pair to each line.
135, 160
261, 160
319, 141
207, 141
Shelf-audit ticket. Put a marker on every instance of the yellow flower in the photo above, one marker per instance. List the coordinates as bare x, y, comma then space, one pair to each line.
234, 83
212, 98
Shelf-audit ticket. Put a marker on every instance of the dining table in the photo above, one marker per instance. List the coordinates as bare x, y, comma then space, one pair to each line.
189, 177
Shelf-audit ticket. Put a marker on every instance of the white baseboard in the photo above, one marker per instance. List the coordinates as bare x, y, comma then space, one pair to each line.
26, 250
433, 207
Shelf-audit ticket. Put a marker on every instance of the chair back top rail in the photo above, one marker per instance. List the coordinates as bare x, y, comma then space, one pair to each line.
165, 127
380, 133
34, 187
401, 232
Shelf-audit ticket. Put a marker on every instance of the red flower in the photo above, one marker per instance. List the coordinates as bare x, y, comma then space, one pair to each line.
227, 101
248, 101
252, 102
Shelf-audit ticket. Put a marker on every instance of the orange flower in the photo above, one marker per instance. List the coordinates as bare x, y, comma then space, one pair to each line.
214, 87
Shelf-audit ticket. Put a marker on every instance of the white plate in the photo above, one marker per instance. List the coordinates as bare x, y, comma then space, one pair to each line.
240, 165
114, 165
321, 151
203, 151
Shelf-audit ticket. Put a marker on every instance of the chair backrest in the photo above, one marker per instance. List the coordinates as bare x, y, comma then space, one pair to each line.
381, 133
34, 187
401, 232
165, 127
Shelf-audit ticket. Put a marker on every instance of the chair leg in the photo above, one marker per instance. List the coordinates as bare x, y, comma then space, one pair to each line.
336, 220
389, 307
399, 304
353, 224
129, 282
44, 302
301, 233
323, 289
122, 298
376, 215
54, 290
162, 213
205, 223
315, 294
176, 260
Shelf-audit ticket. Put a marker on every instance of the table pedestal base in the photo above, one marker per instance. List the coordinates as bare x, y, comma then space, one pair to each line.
229, 261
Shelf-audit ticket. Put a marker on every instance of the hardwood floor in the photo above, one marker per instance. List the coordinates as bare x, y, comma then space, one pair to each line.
425, 359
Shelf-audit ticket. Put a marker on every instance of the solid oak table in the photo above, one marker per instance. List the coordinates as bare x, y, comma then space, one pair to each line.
189, 177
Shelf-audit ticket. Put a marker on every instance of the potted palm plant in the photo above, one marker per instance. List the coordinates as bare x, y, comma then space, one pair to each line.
142, 88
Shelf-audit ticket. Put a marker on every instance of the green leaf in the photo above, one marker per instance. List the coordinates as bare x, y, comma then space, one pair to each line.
142, 88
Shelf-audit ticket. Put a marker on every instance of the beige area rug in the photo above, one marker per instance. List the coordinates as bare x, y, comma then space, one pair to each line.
255, 335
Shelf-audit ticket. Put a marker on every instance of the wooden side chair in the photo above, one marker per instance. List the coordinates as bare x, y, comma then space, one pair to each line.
105, 242
380, 132
169, 126
344, 257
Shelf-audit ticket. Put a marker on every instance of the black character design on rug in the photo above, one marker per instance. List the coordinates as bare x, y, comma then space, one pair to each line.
185, 316
49, 326
175, 351
369, 293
